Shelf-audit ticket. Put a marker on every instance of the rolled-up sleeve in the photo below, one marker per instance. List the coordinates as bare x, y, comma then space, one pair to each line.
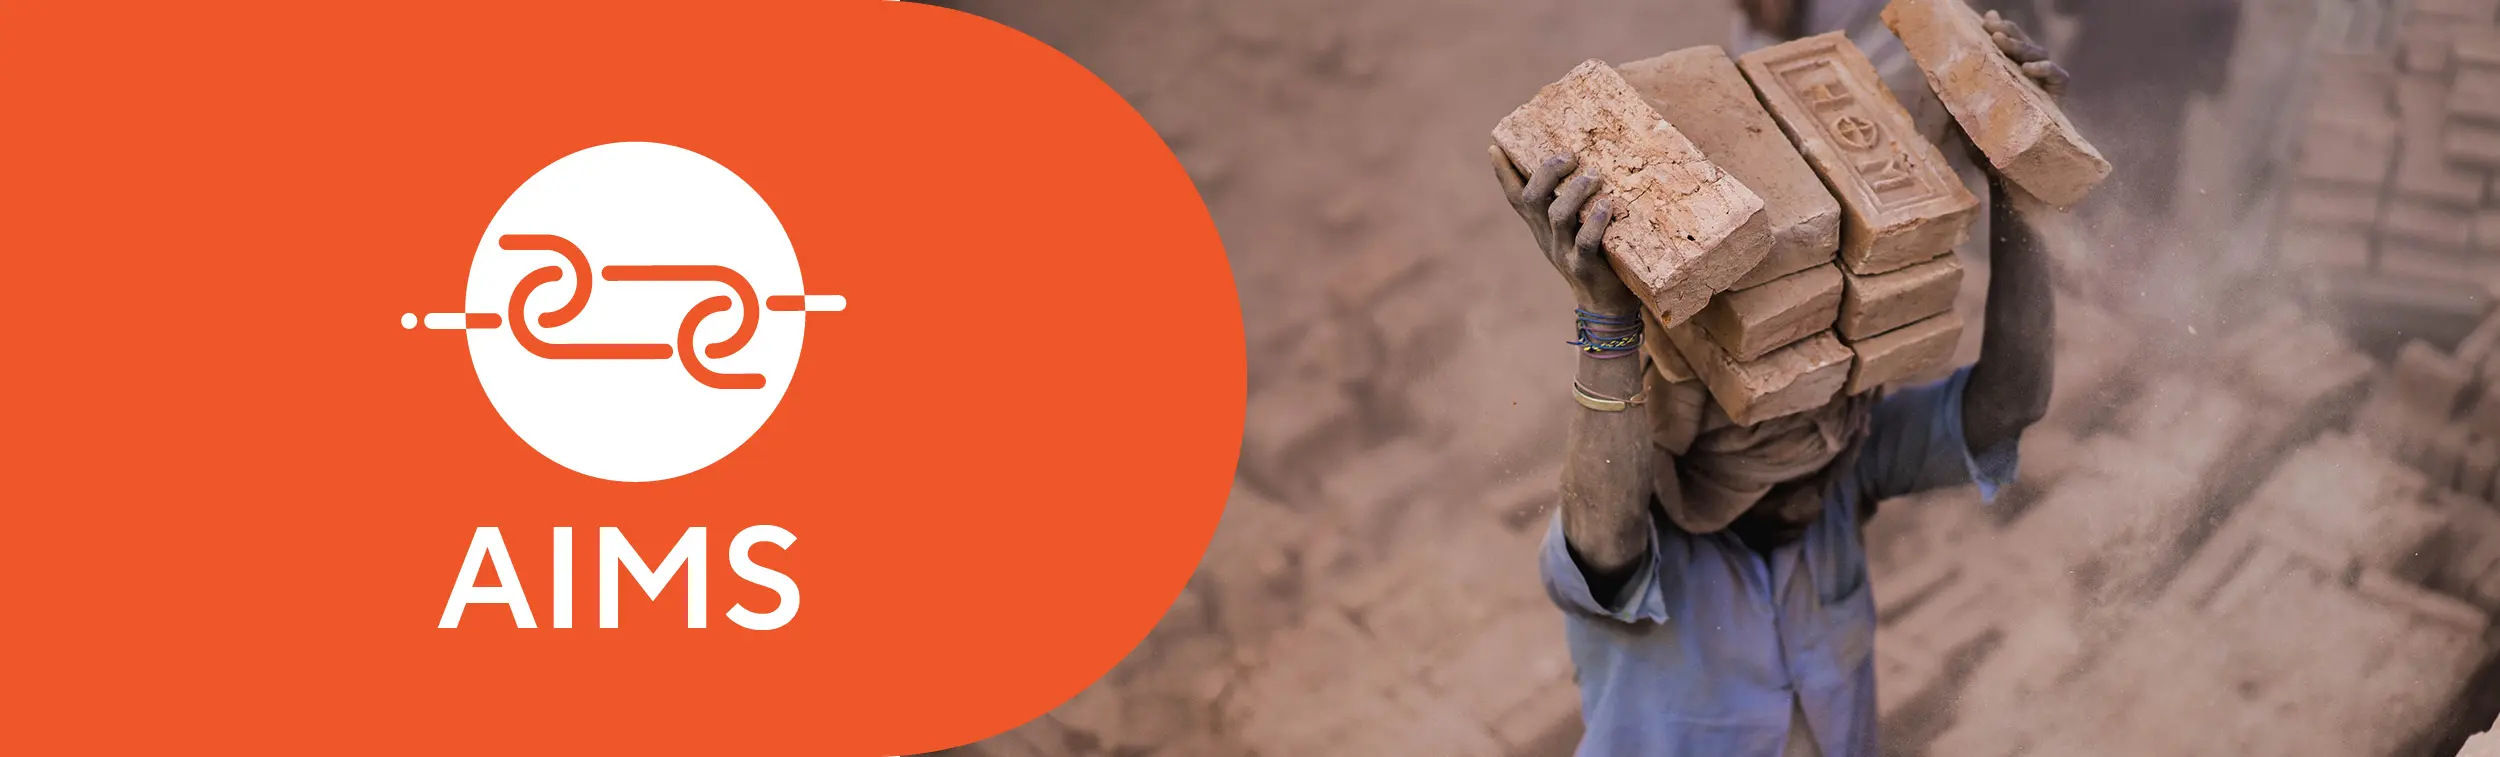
1638, 601
1915, 443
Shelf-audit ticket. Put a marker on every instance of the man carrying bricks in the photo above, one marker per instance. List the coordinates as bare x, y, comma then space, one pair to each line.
1714, 584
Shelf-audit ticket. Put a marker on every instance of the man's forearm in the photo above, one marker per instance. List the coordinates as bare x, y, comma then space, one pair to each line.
2009, 387
1605, 481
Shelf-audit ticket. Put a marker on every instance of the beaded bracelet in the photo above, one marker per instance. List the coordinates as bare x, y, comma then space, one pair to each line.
1606, 337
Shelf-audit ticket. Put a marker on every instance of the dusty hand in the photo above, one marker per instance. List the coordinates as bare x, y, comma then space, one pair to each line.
2027, 54
1551, 205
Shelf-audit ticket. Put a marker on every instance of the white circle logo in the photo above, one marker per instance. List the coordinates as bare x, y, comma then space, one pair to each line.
634, 311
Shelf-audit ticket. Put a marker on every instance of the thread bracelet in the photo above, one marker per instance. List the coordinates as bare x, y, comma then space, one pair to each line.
1606, 337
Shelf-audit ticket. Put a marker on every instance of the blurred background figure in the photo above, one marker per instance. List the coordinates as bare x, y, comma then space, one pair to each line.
2148, 59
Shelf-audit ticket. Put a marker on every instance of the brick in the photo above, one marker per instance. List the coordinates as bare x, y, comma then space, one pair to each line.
2487, 231
2475, 96
2347, 149
2428, 383
1871, 305
2472, 145
2341, 101
2427, 225
2423, 173
2331, 206
2010, 118
2327, 249
2421, 101
2420, 603
1700, 91
2421, 262
1676, 411
1791, 379
1905, 352
1661, 352
2476, 48
2350, 82
1685, 228
2422, 168
1901, 203
2426, 55
2426, 48
1751, 322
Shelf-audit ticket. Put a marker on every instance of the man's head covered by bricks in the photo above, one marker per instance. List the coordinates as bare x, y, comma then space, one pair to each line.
1766, 481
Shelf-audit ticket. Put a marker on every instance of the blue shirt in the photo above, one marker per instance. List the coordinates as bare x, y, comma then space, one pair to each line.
1711, 645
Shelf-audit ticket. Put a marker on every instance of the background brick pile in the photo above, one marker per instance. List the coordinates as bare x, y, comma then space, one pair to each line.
2204, 562
2392, 201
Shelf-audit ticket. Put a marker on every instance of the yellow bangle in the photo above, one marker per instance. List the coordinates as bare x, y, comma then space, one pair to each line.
1604, 404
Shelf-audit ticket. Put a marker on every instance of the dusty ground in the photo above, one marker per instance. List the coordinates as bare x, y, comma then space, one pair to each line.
1372, 588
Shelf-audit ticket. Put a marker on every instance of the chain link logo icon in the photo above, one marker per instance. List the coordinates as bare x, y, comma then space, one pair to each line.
677, 360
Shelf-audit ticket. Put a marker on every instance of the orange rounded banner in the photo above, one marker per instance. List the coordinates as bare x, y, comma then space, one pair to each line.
242, 478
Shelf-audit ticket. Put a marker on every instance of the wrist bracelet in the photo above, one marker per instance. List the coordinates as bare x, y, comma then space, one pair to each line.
1607, 337
1604, 404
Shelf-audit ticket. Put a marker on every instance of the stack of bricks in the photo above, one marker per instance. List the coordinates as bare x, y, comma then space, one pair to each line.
2392, 198
1819, 260
1844, 175
1764, 348
2440, 413
2116, 580
1903, 209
